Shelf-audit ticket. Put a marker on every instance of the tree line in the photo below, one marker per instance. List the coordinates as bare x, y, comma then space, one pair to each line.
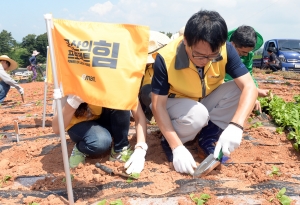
21, 52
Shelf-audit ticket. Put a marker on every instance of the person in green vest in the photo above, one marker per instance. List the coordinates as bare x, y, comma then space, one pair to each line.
246, 41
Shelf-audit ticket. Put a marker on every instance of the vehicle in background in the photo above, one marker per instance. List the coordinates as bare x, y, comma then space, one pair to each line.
288, 52
27, 73
18, 74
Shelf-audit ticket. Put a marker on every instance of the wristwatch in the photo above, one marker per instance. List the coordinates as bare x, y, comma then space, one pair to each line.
143, 145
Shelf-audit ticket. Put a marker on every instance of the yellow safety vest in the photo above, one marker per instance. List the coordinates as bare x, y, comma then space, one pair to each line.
96, 110
183, 77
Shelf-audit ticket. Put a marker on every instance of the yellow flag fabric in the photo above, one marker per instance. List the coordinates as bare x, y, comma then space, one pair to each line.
102, 63
49, 75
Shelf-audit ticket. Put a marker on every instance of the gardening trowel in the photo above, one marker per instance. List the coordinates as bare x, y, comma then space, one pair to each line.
207, 165
112, 172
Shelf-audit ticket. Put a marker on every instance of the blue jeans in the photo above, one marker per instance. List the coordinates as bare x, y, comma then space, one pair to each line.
95, 137
4, 88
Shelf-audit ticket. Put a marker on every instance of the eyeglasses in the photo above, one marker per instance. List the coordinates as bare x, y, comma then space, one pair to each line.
214, 57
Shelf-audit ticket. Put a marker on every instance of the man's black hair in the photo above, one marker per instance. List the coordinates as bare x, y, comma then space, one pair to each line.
206, 26
244, 36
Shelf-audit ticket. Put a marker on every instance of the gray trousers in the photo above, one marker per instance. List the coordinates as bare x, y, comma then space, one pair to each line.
189, 117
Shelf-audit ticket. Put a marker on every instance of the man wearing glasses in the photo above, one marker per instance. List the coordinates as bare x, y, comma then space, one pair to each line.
189, 96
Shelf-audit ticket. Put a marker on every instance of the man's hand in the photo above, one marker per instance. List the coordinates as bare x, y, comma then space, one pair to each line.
183, 161
230, 139
74, 101
257, 106
136, 162
21, 91
263, 92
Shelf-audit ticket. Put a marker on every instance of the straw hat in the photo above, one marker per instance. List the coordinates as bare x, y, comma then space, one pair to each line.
181, 31
13, 64
157, 40
34, 53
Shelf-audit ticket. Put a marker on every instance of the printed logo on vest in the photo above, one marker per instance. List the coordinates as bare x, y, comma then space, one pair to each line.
104, 54
88, 78
214, 76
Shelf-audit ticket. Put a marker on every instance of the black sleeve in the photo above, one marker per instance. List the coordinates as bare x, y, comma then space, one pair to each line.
160, 84
234, 66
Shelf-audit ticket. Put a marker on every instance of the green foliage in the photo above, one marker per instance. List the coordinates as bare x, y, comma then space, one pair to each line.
64, 179
286, 115
256, 124
283, 199
103, 202
202, 199
33, 203
7, 42
134, 175
275, 171
38, 103
116, 202
279, 130
126, 155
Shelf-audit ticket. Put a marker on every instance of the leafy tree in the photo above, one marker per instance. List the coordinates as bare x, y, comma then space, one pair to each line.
6, 42
29, 42
41, 46
17, 53
169, 34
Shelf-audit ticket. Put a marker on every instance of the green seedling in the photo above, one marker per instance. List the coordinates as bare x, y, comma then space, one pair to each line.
279, 130
6, 178
1, 137
38, 103
257, 112
33, 203
18, 103
275, 171
64, 179
250, 119
126, 155
117, 202
283, 199
103, 202
257, 124
202, 199
134, 175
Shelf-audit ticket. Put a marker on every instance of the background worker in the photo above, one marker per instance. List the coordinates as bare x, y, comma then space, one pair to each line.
7, 64
273, 63
33, 63
246, 41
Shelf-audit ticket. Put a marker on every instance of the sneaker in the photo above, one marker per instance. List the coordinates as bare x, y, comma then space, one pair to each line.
167, 149
208, 137
122, 156
76, 158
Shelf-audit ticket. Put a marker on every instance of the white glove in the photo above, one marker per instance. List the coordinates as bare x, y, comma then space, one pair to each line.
74, 101
183, 161
21, 91
136, 162
229, 140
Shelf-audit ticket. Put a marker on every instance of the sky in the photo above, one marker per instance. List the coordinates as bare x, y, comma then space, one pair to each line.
271, 18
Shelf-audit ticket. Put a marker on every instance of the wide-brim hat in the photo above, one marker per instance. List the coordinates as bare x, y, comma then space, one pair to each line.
35, 52
157, 40
13, 64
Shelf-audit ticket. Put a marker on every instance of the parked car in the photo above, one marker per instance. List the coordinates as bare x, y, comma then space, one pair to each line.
27, 73
288, 52
19, 74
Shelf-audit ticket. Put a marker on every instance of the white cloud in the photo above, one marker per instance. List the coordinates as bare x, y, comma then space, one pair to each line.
102, 9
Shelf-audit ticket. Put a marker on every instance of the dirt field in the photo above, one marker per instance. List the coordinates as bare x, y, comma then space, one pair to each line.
32, 170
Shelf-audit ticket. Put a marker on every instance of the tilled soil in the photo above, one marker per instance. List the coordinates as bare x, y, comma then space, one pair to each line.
32, 170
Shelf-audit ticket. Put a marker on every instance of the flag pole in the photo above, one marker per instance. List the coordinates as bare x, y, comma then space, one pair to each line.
57, 95
45, 90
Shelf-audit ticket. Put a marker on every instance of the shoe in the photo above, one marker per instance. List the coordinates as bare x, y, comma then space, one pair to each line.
122, 156
208, 137
167, 149
76, 158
